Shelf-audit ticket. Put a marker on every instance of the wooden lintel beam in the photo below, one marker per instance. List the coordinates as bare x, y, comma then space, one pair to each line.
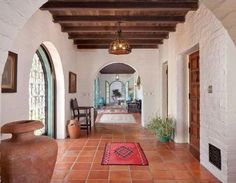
125, 35
106, 46
114, 18
114, 28
130, 41
161, 5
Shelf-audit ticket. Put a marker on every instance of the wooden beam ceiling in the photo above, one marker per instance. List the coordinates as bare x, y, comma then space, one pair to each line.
96, 29
117, 68
106, 46
150, 5
108, 41
144, 24
116, 18
125, 35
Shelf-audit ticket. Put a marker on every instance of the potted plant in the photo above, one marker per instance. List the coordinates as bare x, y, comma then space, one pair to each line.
163, 127
116, 95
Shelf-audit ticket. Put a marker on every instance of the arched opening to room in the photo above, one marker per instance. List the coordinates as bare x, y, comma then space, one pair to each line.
117, 89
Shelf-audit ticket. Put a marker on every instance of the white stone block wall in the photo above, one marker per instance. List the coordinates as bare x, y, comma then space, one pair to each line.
202, 30
225, 11
231, 111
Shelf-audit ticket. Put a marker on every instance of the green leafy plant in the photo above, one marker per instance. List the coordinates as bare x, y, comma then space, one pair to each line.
163, 127
116, 93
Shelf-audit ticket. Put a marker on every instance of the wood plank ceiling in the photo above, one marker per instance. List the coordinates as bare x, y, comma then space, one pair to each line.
117, 68
144, 23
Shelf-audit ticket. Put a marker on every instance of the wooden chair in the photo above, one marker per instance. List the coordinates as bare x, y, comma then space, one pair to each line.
83, 114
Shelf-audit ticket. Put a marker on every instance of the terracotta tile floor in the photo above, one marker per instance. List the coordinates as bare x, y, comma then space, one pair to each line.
79, 160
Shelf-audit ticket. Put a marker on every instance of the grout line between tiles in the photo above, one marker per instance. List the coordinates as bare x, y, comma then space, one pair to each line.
94, 156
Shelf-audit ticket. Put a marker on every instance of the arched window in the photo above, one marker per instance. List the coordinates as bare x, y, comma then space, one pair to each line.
107, 92
96, 92
127, 90
41, 92
120, 87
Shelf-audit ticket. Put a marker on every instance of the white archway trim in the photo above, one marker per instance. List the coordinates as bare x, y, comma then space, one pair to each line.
60, 90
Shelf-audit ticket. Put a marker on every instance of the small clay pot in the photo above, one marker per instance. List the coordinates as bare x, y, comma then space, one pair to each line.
26, 158
73, 129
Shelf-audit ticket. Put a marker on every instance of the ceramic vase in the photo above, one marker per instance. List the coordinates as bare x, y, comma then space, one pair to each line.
74, 128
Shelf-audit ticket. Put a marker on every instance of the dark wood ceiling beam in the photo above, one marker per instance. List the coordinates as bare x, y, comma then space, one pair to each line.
125, 35
161, 5
113, 18
114, 28
130, 41
106, 46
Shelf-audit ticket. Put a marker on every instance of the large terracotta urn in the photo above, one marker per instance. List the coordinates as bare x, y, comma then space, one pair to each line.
26, 158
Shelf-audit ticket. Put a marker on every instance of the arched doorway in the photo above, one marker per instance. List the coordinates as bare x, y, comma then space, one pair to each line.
116, 76
42, 92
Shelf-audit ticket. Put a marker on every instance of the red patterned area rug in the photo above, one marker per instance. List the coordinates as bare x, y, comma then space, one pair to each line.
122, 153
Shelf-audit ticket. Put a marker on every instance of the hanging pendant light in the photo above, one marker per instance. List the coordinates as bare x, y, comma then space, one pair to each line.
119, 46
117, 77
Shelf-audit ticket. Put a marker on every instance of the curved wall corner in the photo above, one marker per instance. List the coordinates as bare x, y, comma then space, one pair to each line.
225, 11
14, 15
60, 90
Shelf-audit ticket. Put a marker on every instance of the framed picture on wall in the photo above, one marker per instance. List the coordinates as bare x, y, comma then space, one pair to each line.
72, 82
9, 77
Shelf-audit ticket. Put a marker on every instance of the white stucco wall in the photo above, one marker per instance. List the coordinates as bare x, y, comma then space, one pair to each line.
144, 61
202, 30
37, 30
